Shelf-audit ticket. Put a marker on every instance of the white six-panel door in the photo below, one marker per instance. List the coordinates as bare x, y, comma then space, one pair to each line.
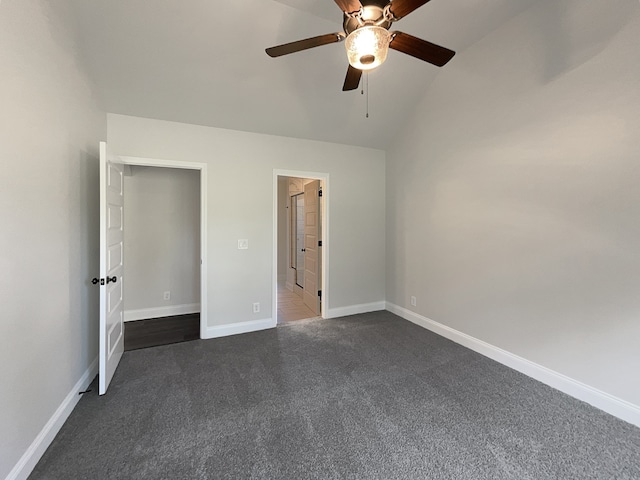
111, 265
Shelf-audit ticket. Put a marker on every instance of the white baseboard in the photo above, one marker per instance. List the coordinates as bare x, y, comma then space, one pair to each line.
238, 328
159, 312
354, 309
615, 406
30, 458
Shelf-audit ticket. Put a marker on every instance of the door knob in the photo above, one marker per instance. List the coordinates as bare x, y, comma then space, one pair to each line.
113, 279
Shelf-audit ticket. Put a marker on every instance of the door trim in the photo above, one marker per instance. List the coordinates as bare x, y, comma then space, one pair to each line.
202, 167
326, 246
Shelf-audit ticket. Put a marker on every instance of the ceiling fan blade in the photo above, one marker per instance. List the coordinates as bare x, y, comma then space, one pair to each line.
352, 80
349, 6
305, 44
416, 47
402, 8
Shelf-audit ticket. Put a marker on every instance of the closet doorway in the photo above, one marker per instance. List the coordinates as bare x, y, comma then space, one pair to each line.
300, 250
165, 223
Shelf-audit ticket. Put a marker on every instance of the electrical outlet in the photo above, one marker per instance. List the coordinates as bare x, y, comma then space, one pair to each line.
256, 307
243, 244
167, 295
413, 301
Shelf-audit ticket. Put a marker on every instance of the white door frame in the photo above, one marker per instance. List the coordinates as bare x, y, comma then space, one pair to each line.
324, 177
202, 167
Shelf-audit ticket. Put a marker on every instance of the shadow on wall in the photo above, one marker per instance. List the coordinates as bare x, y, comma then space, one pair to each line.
83, 296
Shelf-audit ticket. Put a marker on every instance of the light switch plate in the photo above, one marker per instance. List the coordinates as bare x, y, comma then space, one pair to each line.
243, 244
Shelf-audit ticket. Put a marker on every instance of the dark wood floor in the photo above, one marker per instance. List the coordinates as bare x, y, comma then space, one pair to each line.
161, 331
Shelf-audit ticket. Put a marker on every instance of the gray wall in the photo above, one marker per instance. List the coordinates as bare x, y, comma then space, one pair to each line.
162, 237
245, 162
513, 202
50, 127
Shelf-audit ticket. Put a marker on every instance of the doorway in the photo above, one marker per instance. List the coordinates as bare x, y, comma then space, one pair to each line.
162, 251
172, 307
300, 245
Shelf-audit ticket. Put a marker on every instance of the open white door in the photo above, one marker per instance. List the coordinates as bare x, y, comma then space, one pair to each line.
311, 295
111, 263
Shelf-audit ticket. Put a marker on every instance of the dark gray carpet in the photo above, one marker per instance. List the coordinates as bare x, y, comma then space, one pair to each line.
362, 397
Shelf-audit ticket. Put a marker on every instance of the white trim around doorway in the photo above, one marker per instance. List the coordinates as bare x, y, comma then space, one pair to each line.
324, 177
202, 167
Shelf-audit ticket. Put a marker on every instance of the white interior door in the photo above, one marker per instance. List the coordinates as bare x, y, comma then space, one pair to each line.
311, 246
111, 263
299, 241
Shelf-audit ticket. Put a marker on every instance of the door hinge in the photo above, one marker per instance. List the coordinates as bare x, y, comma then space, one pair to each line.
320, 192
320, 293
319, 243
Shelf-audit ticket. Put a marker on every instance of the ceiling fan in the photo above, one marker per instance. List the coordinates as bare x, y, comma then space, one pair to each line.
368, 39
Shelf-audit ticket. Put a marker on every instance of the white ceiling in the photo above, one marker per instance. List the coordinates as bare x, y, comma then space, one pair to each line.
203, 62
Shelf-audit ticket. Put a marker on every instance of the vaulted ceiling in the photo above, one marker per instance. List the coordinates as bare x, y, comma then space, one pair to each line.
203, 62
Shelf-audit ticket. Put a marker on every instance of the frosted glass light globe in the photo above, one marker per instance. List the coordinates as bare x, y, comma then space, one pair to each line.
367, 47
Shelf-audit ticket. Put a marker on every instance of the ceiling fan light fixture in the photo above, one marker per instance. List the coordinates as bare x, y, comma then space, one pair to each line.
367, 47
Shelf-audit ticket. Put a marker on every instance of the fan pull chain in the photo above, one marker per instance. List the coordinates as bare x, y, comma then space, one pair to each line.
365, 86
367, 94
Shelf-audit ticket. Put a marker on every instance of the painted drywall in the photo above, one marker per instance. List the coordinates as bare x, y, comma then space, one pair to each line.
245, 162
162, 238
513, 199
50, 127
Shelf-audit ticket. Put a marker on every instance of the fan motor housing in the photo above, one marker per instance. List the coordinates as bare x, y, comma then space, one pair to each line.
372, 14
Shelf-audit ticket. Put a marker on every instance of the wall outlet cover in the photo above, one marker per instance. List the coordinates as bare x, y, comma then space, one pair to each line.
413, 301
243, 244
256, 307
166, 295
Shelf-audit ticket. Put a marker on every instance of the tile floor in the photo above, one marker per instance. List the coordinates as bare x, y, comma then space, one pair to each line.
291, 306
